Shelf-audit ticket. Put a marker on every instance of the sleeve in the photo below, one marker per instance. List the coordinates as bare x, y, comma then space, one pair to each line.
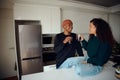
84, 44
79, 48
58, 45
102, 56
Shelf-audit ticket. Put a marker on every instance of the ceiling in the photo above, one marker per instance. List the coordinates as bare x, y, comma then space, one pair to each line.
105, 3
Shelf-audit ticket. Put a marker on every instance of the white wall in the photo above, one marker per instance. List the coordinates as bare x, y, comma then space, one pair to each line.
114, 21
7, 40
81, 19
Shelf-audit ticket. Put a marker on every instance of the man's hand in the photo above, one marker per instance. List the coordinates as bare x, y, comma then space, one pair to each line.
67, 40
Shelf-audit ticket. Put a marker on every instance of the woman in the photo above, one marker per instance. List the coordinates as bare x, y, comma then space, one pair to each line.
98, 47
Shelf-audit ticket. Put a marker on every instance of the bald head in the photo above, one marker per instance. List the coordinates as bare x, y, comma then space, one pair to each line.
67, 21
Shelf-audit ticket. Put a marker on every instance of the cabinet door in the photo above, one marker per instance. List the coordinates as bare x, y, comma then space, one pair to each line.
55, 21
49, 16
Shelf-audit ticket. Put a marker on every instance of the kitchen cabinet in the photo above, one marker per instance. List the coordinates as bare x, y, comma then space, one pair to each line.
48, 15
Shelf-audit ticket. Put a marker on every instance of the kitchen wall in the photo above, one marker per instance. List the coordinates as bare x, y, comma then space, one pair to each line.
7, 40
82, 17
114, 21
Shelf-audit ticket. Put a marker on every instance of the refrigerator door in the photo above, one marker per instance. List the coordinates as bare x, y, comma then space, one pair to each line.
30, 48
31, 66
30, 41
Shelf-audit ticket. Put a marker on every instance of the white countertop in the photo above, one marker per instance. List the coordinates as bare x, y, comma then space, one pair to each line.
69, 74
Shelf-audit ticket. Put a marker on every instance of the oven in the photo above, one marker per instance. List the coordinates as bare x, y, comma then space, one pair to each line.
48, 54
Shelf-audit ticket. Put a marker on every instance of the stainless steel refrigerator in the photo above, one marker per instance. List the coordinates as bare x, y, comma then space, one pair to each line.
29, 46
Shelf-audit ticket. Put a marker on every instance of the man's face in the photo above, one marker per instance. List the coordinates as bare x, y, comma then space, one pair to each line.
68, 27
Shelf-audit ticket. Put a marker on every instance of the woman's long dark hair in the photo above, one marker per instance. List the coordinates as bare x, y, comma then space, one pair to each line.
103, 30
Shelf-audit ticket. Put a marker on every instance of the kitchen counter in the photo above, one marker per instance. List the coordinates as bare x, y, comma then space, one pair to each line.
69, 74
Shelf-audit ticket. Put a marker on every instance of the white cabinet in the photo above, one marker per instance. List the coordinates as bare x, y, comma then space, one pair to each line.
49, 16
55, 20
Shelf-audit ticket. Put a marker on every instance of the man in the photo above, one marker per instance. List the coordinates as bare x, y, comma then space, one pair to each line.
66, 43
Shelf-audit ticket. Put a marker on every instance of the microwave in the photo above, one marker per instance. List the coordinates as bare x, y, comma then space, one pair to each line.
48, 40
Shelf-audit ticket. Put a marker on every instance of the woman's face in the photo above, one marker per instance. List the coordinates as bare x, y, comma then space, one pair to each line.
92, 29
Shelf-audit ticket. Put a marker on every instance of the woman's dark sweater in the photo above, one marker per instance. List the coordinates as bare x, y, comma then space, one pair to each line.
98, 51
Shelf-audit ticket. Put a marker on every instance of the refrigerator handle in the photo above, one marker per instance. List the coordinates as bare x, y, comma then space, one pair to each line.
38, 57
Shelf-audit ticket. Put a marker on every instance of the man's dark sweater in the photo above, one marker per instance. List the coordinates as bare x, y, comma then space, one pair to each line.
64, 51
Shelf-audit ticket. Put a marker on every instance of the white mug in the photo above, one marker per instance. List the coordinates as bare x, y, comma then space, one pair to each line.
78, 36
